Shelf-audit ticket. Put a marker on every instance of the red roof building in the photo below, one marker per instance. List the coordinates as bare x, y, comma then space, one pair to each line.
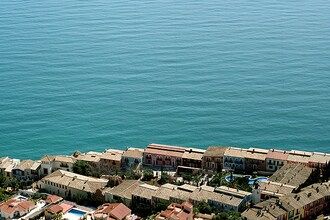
110, 211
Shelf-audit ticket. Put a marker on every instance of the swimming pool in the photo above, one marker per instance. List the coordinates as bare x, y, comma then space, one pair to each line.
251, 180
74, 214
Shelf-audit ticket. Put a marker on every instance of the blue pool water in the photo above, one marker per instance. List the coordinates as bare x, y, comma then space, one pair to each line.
94, 74
251, 180
74, 214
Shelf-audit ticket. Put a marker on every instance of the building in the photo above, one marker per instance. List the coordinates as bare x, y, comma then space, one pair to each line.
213, 159
275, 159
52, 199
27, 171
192, 158
255, 160
91, 158
182, 211
115, 211
6, 166
142, 195
234, 159
71, 185
294, 174
15, 208
318, 159
310, 202
50, 164
132, 157
270, 189
110, 160
271, 209
123, 192
165, 156
57, 210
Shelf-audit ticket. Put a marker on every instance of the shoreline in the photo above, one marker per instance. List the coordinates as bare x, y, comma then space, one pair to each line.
101, 149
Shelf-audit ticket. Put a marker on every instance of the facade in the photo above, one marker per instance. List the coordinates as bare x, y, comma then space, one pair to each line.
71, 185
6, 166
15, 208
115, 211
123, 192
111, 160
275, 159
192, 158
50, 164
165, 156
309, 203
27, 171
234, 159
213, 159
132, 157
183, 211
255, 160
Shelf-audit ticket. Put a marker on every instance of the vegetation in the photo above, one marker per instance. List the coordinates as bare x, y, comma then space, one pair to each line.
227, 216
148, 174
217, 180
205, 208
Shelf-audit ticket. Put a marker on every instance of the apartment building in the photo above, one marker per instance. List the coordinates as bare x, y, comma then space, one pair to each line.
213, 159
70, 185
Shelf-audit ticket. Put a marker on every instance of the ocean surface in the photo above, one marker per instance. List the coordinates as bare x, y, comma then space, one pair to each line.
89, 75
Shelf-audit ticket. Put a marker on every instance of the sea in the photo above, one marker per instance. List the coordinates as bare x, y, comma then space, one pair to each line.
97, 74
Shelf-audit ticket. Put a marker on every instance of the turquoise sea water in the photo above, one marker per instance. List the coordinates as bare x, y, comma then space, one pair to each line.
94, 74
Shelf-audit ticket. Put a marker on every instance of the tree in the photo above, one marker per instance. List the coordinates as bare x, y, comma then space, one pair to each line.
148, 174
203, 207
82, 167
164, 178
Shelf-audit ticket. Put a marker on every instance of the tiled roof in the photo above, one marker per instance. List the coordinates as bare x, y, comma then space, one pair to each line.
266, 210
145, 191
124, 189
27, 164
215, 151
53, 199
165, 150
277, 155
114, 210
113, 156
13, 205
193, 155
76, 181
133, 153
95, 158
274, 188
235, 152
292, 174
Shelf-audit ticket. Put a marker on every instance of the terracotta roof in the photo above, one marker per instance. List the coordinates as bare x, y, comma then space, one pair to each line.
177, 212
277, 155
166, 150
53, 199
13, 205
55, 209
76, 181
114, 210
215, 151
